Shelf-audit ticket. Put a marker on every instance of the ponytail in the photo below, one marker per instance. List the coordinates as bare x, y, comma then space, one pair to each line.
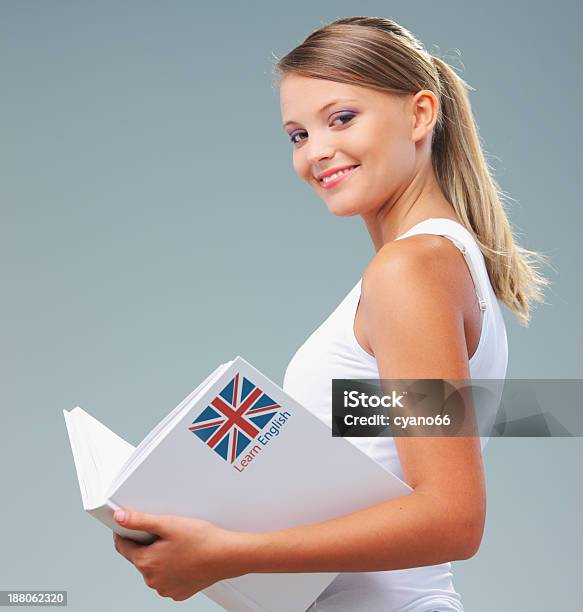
465, 179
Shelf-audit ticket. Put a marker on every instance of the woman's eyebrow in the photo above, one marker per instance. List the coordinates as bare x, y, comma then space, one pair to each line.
326, 106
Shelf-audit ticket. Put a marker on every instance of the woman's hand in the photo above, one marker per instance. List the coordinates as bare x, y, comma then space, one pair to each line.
190, 555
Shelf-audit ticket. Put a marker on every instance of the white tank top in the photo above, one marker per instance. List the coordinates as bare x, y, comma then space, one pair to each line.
332, 351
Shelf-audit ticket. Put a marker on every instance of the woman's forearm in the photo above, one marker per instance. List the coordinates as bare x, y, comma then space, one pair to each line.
410, 531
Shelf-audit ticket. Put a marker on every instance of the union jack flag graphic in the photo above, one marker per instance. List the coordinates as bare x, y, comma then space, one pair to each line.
234, 418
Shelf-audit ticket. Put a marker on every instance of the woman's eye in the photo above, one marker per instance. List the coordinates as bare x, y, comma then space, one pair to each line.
344, 118
293, 136
347, 116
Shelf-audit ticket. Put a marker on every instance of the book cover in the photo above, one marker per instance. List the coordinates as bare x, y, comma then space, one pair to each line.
244, 455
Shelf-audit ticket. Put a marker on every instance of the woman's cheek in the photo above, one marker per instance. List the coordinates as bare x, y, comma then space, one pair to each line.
299, 167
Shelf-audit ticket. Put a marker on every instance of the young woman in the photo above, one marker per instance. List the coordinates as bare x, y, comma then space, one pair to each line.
382, 129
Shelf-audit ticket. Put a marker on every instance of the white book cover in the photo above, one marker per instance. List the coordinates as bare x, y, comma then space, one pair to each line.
241, 453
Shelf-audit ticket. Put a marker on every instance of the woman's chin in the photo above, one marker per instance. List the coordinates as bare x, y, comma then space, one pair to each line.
342, 211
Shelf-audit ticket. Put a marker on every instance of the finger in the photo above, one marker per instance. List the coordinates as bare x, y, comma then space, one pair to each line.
125, 547
156, 524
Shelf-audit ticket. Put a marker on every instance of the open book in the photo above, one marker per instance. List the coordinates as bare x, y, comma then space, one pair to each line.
238, 441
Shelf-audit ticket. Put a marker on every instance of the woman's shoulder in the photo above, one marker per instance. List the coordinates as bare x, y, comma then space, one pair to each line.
415, 293
428, 255
420, 269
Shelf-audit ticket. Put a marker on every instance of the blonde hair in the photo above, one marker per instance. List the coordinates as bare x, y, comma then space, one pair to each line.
380, 54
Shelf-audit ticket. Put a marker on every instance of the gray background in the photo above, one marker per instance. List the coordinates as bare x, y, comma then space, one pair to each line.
152, 227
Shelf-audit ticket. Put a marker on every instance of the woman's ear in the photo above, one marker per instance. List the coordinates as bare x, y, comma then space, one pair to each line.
424, 108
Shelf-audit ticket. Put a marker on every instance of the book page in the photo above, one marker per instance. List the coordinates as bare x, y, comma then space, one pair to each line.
77, 445
103, 454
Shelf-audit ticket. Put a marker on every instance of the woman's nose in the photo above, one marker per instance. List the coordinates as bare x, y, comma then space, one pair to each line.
318, 151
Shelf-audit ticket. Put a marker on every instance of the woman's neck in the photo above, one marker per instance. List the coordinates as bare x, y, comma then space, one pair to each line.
414, 205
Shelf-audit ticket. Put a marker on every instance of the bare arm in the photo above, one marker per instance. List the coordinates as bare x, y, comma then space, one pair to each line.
414, 324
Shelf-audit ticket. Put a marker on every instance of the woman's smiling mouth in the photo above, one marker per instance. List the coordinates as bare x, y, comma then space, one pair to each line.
331, 181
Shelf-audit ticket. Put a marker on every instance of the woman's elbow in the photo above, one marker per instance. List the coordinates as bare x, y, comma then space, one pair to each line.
470, 531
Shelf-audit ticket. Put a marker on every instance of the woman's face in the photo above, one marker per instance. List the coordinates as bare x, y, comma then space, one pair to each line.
334, 125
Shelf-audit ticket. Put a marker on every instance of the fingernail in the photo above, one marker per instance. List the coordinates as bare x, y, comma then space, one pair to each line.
120, 516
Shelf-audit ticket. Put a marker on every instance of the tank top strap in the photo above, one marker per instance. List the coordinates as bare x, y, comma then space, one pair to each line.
465, 242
